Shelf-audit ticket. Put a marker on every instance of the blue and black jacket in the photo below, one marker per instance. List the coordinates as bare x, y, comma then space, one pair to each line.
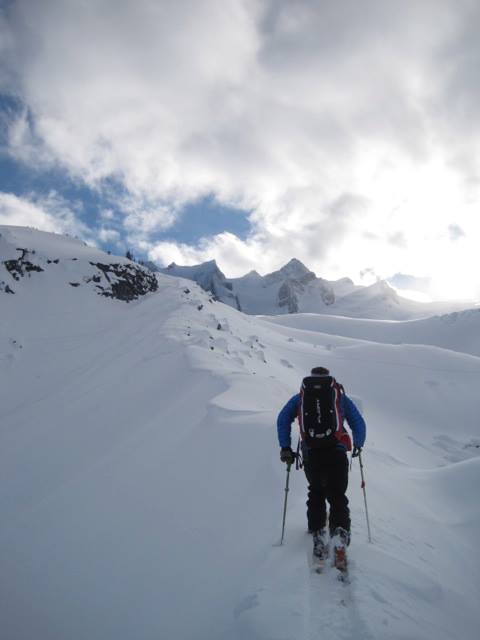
348, 410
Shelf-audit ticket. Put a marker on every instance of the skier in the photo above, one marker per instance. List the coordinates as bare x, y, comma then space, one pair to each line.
321, 408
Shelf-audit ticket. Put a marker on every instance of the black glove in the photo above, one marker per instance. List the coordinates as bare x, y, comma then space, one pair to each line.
287, 455
356, 452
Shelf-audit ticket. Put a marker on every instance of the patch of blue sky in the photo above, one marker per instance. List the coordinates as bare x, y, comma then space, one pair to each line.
26, 182
207, 217
202, 218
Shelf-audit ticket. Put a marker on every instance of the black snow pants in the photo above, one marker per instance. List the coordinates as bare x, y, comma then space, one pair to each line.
327, 475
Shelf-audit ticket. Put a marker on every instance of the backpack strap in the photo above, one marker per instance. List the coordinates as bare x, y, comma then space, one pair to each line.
341, 433
300, 415
299, 457
339, 391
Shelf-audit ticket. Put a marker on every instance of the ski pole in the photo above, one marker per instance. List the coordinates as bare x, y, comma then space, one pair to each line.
364, 495
289, 464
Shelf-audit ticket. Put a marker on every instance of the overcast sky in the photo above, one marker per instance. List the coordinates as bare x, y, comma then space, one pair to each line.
345, 133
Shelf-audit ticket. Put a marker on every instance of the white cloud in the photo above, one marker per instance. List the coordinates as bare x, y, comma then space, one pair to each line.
107, 214
144, 216
49, 213
108, 235
25, 146
232, 254
342, 126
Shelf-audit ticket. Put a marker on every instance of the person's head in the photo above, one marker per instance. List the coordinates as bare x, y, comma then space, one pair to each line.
320, 371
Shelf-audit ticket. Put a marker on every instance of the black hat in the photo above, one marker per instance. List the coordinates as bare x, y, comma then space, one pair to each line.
320, 371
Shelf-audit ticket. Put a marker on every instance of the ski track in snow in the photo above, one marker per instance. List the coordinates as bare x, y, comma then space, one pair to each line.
140, 486
331, 605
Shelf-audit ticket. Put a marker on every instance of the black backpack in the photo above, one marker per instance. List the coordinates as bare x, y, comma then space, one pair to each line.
319, 415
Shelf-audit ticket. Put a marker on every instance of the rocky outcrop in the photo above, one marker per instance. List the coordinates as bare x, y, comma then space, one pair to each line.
125, 282
22, 266
5, 287
121, 281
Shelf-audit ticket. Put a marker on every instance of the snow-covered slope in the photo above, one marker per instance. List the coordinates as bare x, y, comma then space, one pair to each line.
459, 331
294, 289
140, 485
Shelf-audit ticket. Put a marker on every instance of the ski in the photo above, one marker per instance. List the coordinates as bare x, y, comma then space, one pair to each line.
342, 576
320, 550
336, 548
319, 559
318, 564
340, 563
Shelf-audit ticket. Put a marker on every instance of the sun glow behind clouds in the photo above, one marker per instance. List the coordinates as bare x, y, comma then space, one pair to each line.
411, 294
419, 220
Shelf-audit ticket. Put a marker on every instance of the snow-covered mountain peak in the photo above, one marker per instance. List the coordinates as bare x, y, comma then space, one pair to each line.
293, 270
208, 276
204, 267
252, 274
203, 270
382, 289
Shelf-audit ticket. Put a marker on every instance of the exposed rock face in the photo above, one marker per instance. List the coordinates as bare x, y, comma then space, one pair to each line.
287, 297
123, 281
5, 287
21, 266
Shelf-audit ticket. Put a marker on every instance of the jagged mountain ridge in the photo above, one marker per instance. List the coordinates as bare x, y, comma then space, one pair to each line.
296, 289
209, 277
276, 292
